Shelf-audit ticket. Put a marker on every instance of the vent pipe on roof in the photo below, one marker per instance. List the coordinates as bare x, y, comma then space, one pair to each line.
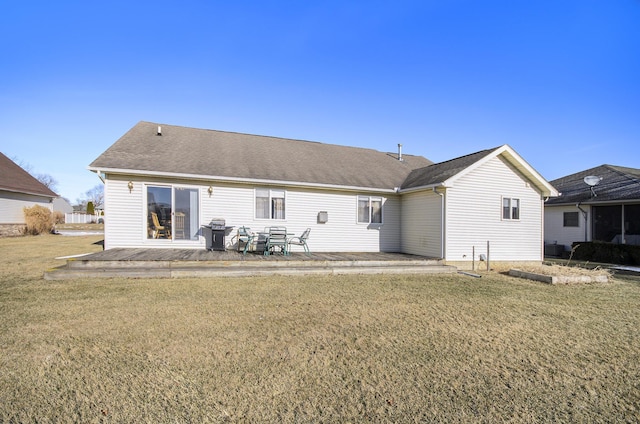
399, 152
159, 130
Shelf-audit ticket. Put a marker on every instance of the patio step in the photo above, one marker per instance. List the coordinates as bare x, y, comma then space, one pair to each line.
78, 268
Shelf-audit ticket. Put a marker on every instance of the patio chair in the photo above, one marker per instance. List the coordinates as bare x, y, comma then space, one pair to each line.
277, 239
245, 236
179, 226
300, 241
159, 229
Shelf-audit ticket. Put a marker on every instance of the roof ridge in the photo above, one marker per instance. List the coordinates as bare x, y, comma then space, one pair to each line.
272, 137
461, 157
624, 174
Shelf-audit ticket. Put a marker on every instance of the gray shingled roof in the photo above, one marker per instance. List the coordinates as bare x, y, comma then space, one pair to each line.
440, 172
618, 184
14, 178
211, 154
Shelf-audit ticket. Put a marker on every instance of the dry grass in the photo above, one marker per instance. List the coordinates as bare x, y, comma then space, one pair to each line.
320, 349
80, 227
560, 270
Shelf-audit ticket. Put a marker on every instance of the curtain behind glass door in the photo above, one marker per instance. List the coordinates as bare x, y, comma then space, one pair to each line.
186, 220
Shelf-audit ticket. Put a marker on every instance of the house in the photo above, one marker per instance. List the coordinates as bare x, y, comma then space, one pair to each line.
19, 190
353, 199
60, 204
598, 204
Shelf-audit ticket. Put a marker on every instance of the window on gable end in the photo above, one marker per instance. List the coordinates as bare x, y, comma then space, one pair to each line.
510, 208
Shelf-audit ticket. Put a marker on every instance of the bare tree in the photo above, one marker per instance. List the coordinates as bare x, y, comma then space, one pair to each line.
95, 195
48, 180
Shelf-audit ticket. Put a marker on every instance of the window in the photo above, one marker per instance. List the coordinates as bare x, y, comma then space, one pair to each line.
571, 219
510, 208
369, 210
270, 204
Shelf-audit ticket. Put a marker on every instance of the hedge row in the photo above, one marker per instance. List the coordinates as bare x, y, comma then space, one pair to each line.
622, 254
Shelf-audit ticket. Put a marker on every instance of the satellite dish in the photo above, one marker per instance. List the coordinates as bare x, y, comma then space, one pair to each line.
592, 180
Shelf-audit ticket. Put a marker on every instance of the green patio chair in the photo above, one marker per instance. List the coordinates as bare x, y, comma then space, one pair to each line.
277, 239
245, 236
300, 241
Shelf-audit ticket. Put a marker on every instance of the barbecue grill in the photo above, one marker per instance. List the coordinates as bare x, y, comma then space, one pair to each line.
214, 234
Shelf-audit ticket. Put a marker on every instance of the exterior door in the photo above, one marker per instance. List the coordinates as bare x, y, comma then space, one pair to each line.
185, 215
172, 213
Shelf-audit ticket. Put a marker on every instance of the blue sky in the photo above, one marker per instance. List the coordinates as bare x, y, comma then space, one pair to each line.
557, 80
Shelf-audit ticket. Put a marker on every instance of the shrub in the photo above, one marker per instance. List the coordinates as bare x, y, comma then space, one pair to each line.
38, 219
58, 217
90, 208
623, 254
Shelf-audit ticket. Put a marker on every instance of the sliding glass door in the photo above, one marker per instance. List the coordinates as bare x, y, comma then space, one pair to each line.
172, 213
185, 223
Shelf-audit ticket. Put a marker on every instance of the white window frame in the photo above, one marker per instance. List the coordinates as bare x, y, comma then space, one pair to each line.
510, 214
271, 195
172, 187
370, 211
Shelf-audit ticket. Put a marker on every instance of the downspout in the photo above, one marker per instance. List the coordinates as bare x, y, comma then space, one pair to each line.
435, 190
623, 235
584, 215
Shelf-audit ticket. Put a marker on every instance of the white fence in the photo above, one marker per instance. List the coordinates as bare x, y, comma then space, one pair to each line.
80, 218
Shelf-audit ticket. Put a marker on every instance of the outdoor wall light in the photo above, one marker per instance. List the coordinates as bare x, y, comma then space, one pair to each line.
210, 191
130, 185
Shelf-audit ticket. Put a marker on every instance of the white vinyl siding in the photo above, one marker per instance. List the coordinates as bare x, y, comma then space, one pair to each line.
421, 232
474, 215
556, 233
125, 223
12, 206
126, 215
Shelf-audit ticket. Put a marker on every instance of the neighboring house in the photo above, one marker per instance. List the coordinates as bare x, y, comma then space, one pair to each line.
19, 189
353, 199
60, 204
598, 204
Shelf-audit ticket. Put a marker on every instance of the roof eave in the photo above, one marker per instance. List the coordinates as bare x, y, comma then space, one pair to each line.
237, 180
30, 193
595, 202
423, 187
545, 188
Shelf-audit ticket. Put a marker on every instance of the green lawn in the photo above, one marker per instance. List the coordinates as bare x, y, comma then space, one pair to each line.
310, 349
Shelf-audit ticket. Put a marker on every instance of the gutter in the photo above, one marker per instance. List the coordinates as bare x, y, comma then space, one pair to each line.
424, 187
30, 193
239, 180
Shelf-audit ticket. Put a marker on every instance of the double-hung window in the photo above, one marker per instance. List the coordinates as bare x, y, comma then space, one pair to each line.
510, 208
270, 204
369, 210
